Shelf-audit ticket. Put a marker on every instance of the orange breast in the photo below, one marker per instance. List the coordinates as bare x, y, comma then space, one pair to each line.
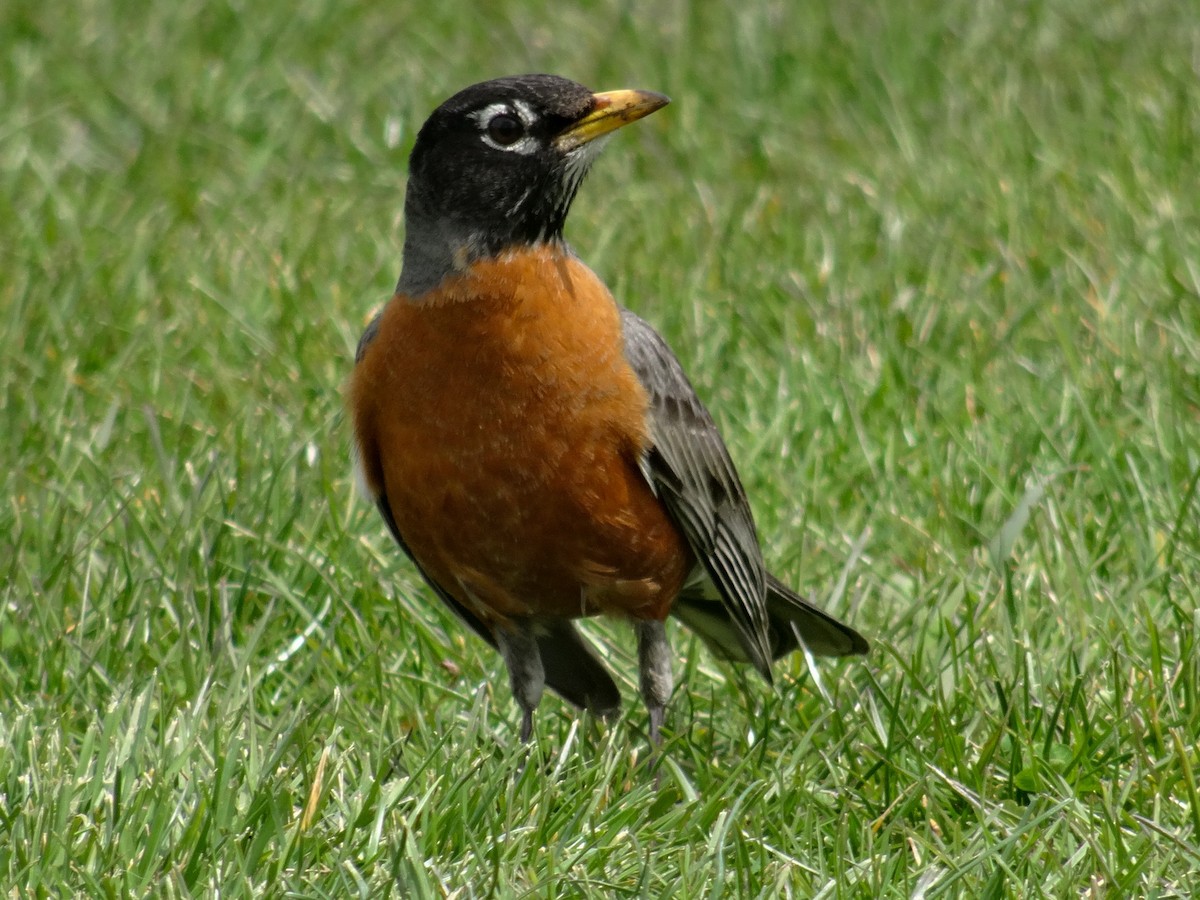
505, 426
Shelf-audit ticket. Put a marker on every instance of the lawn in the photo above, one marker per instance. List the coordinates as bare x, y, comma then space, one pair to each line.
934, 266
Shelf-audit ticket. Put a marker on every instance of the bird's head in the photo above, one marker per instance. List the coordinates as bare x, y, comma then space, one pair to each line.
498, 164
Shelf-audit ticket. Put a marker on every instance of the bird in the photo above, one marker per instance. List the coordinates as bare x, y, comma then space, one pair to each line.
534, 447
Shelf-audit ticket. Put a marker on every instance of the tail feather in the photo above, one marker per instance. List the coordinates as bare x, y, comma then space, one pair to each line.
822, 634
791, 619
573, 670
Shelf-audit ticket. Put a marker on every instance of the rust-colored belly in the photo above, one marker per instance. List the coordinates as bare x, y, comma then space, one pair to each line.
505, 426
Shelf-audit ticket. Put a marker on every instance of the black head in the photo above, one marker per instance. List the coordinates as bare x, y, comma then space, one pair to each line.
498, 165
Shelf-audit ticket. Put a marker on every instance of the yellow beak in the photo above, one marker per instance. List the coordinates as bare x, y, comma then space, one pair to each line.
612, 110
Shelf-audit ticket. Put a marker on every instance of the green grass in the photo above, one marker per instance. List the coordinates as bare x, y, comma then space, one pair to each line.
936, 268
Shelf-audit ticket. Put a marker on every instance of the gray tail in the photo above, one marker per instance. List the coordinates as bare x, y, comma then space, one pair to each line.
788, 615
573, 670
822, 634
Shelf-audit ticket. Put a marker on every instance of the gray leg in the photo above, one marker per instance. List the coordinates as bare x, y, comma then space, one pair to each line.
519, 648
654, 663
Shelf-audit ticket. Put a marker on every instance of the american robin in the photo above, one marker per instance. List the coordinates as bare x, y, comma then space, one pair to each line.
534, 447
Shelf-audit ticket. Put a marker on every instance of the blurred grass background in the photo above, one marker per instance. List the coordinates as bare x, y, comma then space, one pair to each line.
935, 267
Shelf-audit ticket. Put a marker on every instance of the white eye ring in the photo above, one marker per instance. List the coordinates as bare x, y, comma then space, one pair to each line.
505, 129
519, 110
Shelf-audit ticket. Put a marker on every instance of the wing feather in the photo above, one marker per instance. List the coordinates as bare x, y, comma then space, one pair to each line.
690, 469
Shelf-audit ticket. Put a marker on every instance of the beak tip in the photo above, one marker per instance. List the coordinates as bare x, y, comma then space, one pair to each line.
610, 110
646, 101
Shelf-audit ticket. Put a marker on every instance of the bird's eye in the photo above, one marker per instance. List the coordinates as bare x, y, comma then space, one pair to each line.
505, 129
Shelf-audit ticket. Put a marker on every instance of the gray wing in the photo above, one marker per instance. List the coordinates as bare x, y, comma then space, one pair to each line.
690, 469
